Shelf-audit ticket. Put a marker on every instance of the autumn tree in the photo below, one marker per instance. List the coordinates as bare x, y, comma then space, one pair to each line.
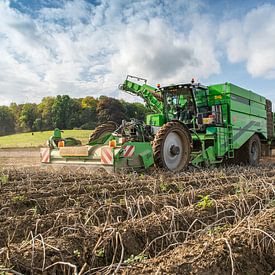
110, 109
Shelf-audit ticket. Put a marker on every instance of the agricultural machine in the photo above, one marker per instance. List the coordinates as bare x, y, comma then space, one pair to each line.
190, 124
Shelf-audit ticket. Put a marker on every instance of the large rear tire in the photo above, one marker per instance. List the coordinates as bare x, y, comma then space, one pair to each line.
172, 147
250, 152
254, 150
103, 130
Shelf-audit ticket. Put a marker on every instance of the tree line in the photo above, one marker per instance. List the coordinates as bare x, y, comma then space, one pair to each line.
65, 112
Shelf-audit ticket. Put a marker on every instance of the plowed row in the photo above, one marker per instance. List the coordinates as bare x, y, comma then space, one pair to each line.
219, 221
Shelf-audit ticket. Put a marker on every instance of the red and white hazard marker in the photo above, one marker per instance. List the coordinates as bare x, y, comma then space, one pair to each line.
129, 151
45, 155
106, 155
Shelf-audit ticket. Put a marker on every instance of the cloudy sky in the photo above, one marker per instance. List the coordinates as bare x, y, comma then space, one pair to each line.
81, 47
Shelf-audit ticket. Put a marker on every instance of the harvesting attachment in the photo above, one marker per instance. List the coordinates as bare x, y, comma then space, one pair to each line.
113, 148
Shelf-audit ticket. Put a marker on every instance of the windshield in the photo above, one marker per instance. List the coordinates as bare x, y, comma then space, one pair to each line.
179, 103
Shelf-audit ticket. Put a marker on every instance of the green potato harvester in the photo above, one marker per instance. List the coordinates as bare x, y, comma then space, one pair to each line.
189, 124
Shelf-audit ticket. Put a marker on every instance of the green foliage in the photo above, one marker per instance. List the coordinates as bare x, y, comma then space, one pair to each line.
122, 202
45, 111
217, 229
19, 198
108, 201
100, 252
34, 210
163, 187
7, 121
141, 176
180, 187
89, 125
135, 110
205, 202
88, 118
5, 272
37, 125
28, 116
65, 112
89, 102
4, 179
133, 259
271, 203
16, 110
77, 253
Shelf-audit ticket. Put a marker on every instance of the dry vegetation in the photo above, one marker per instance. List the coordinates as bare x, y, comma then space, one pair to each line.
219, 221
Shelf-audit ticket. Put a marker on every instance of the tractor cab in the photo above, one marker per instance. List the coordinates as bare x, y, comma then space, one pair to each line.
186, 102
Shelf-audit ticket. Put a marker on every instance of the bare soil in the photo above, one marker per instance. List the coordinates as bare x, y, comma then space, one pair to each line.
208, 221
20, 157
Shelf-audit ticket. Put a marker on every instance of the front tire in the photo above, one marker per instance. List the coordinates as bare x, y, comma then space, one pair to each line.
172, 147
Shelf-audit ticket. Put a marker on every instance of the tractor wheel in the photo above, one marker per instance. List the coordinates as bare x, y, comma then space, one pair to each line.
172, 147
250, 152
103, 130
253, 150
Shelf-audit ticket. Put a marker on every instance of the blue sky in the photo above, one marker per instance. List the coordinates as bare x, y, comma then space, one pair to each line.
81, 48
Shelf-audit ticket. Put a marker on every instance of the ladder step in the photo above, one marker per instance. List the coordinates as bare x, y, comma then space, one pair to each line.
230, 152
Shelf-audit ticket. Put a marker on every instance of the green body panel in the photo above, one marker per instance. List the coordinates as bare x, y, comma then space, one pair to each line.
246, 111
142, 157
221, 142
155, 119
57, 133
146, 92
102, 140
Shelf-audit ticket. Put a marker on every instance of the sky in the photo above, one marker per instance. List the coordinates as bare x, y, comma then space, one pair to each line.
87, 48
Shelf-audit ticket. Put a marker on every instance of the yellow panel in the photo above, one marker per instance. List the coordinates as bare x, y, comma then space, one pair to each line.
74, 151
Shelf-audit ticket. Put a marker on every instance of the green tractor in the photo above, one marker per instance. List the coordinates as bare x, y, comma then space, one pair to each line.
190, 124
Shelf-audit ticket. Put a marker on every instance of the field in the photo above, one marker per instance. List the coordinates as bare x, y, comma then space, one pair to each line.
38, 139
215, 221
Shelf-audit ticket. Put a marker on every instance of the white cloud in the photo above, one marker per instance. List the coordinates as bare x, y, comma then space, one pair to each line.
81, 49
156, 51
251, 40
